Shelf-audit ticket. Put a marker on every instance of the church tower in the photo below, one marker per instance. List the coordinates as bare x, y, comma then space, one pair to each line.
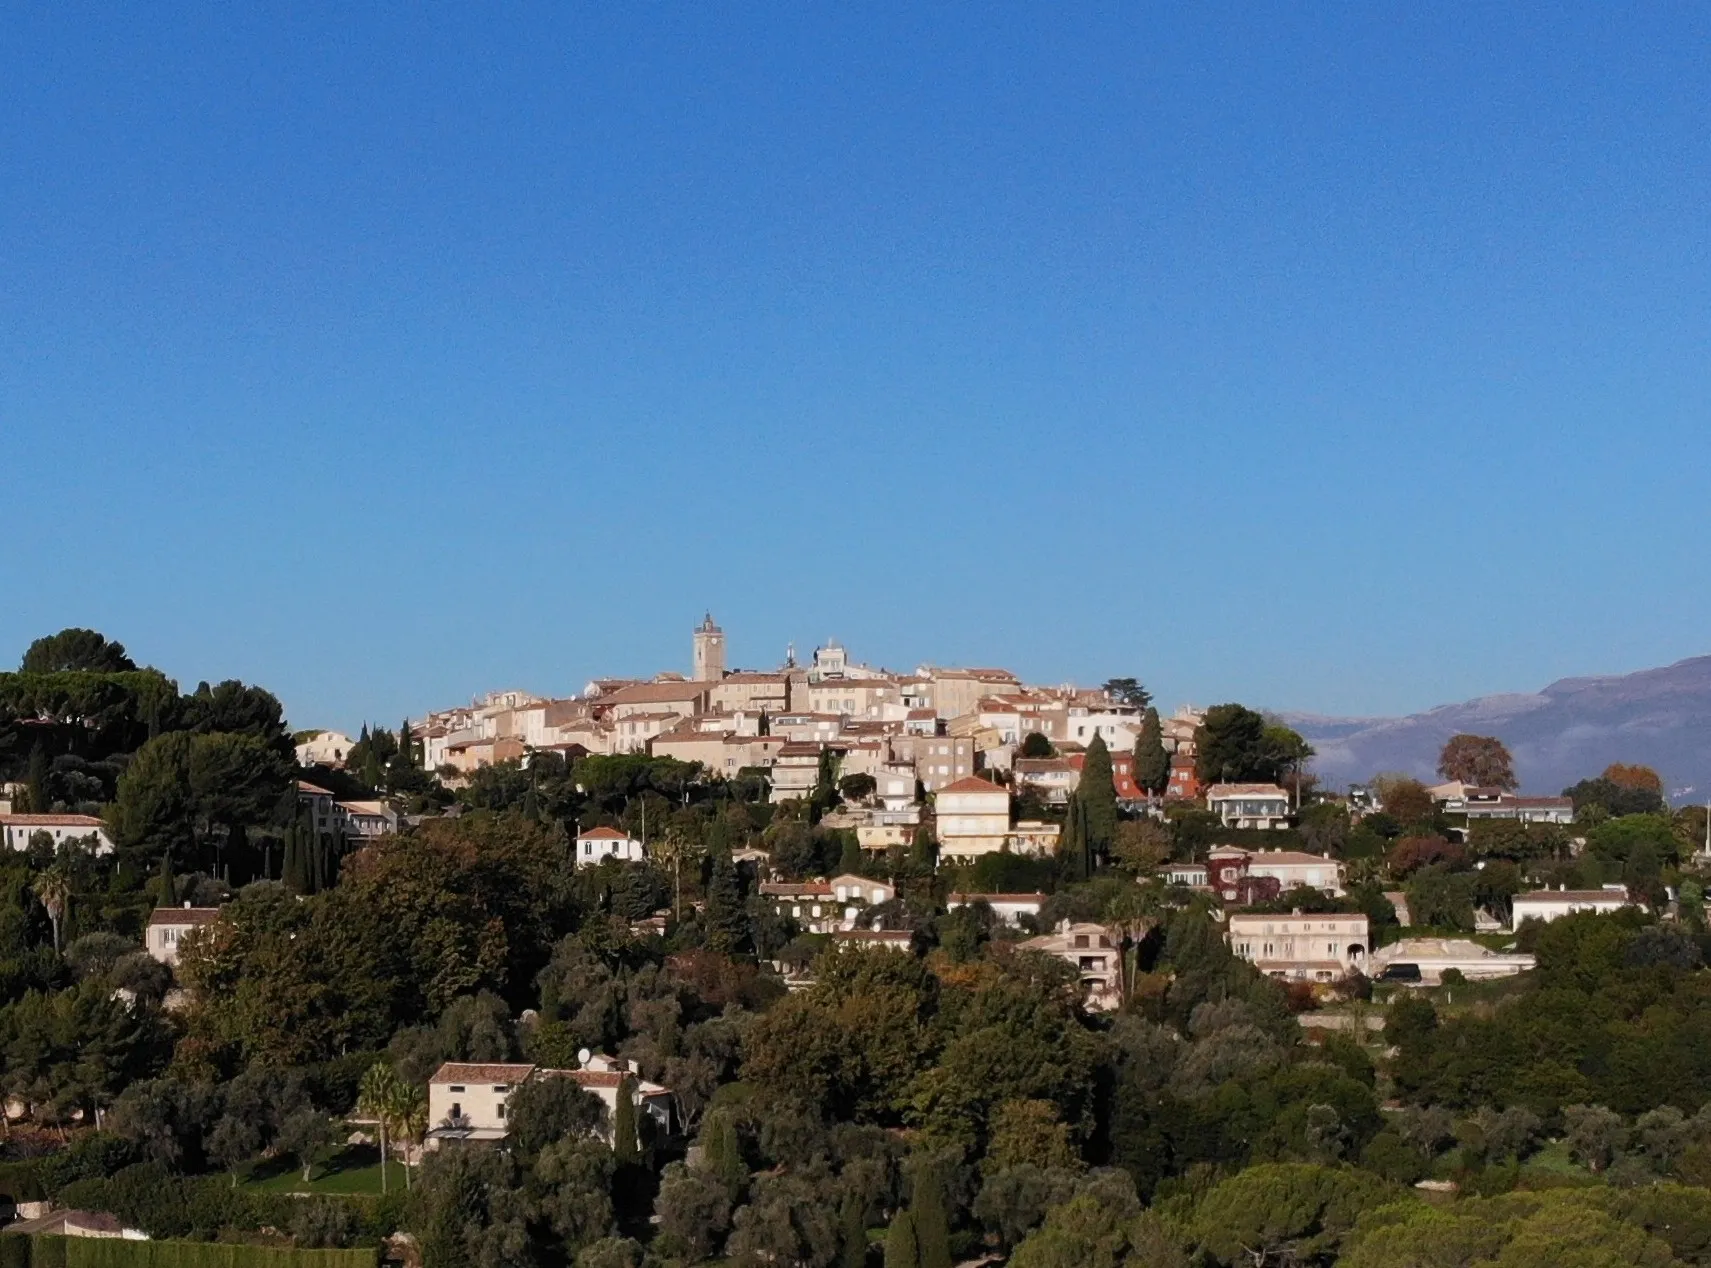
709, 651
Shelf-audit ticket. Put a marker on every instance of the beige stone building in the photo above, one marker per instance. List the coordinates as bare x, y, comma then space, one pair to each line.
1091, 950
168, 925
939, 760
955, 692
1300, 947
751, 692
973, 818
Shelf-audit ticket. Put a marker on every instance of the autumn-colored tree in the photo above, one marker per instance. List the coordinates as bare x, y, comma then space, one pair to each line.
1478, 759
1626, 775
1410, 854
1404, 800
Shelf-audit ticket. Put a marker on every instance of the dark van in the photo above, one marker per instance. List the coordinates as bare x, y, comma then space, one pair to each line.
1400, 973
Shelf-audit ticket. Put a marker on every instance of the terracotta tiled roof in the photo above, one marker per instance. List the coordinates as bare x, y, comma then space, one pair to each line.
1244, 790
603, 834
973, 784
462, 1072
50, 821
183, 916
314, 790
786, 889
1573, 895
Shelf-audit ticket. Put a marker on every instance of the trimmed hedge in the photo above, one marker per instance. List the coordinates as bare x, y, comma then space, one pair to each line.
114, 1252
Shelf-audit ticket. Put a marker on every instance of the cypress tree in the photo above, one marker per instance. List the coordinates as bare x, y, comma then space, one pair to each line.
722, 1153
727, 924
406, 745
1098, 798
932, 1222
1152, 763
901, 1248
291, 868
168, 885
852, 1234
1072, 850
626, 1148
38, 780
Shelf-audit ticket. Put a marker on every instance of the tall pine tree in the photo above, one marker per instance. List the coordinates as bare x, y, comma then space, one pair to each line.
1098, 799
1152, 763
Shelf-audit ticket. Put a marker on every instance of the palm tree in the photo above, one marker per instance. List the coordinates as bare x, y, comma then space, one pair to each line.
378, 1097
53, 887
1132, 915
410, 1113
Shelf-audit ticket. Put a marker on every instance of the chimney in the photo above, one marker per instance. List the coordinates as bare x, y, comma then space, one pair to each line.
186, 904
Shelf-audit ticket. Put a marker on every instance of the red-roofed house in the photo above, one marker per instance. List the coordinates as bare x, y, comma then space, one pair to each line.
596, 845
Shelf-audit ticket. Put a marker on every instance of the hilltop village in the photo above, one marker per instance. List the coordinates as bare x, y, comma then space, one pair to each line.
824, 964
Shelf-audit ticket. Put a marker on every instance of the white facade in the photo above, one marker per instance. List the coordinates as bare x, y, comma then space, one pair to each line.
1553, 904
1009, 908
18, 829
1249, 805
599, 844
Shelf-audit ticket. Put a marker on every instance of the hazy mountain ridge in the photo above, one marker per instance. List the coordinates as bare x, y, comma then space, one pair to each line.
1565, 732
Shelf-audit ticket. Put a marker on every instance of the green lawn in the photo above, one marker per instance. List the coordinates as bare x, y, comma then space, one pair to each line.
352, 1170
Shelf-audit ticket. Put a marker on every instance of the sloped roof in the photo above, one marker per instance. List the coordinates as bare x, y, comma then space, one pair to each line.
183, 916
468, 1072
973, 784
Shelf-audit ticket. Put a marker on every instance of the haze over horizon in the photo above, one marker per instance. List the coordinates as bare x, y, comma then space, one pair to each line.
1350, 363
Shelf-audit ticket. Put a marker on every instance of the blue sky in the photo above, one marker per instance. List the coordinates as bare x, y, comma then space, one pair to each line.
1351, 360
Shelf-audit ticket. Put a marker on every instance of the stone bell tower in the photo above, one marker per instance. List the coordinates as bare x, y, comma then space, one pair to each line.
709, 651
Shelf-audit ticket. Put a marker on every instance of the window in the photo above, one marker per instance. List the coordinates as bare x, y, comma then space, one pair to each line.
457, 1110
500, 1112
501, 1087
1080, 940
456, 1087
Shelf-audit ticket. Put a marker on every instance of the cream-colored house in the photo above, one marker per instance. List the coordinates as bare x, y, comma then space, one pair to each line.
973, 818
1301, 947
1091, 950
324, 748
168, 925
467, 1100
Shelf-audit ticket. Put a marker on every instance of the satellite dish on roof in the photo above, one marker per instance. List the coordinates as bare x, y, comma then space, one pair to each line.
582, 1056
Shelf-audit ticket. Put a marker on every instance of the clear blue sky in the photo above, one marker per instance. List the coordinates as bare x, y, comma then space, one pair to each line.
1354, 360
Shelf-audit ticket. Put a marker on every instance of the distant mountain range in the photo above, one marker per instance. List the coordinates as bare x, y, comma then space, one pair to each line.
1572, 729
